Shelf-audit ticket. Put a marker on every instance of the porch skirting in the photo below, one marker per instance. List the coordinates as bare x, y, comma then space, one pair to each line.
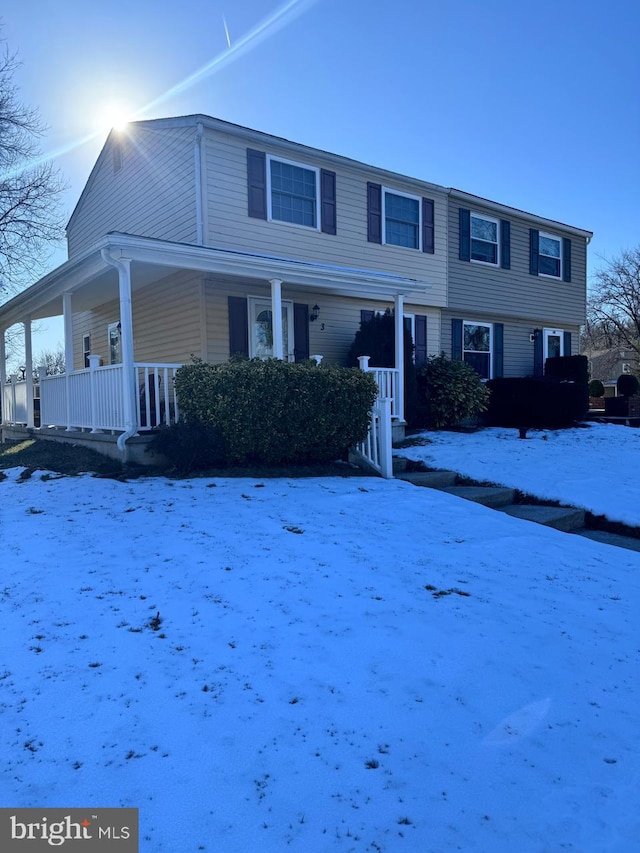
103, 443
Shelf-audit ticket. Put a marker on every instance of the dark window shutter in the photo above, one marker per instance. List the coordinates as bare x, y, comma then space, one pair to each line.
567, 343
238, 326
420, 343
365, 316
465, 234
328, 202
456, 340
300, 331
257, 183
566, 259
374, 213
534, 249
498, 350
428, 228
538, 355
505, 244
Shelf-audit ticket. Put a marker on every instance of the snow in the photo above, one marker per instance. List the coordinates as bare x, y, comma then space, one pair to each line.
303, 689
593, 467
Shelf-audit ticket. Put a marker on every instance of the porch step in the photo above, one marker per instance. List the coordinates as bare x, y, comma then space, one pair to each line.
566, 519
493, 497
430, 479
628, 542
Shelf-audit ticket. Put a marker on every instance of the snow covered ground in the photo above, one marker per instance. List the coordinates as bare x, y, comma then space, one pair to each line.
594, 467
337, 665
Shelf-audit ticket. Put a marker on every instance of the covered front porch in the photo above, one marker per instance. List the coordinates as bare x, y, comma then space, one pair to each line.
158, 299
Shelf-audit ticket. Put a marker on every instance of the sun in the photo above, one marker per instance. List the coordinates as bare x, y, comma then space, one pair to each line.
114, 115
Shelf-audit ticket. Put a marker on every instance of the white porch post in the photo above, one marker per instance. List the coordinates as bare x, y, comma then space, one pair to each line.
68, 350
276, 314
399, 324
28, 363
3, 374
126, 341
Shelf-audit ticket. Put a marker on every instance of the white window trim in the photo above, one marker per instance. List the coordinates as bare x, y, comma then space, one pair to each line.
417, 198
287, 304
558, 240
547, 333
272, 157
471, 239
116, 327
480, 323
86, 349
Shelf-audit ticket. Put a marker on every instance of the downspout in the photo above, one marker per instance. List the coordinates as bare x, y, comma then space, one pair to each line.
126, 321
197, 153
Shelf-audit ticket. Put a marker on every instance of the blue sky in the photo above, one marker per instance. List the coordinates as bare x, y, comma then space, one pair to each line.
533, 105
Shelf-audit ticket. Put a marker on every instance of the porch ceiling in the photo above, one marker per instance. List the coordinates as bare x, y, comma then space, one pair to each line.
93, 281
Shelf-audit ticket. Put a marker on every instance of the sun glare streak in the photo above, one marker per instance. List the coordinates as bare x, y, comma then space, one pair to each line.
280, 18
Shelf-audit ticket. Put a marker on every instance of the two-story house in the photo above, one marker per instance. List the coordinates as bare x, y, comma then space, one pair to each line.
196, 237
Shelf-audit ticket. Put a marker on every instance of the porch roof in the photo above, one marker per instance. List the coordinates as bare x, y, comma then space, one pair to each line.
89, 275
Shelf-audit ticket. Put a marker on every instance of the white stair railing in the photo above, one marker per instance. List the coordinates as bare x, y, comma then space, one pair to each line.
387, 379
376, 449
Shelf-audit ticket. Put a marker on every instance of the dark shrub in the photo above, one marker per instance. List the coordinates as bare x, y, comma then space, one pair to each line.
274, 412
376, 338
574, 368
627, 385
535, 403
449, 392
596, 388
190, 446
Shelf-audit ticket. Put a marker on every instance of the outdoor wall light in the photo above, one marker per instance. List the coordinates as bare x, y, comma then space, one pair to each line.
314, 313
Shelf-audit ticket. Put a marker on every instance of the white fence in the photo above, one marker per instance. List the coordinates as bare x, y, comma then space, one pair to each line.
376, 449
14, 402
93, 398
388, 379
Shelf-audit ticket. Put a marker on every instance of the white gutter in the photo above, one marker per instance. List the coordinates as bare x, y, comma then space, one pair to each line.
197, 153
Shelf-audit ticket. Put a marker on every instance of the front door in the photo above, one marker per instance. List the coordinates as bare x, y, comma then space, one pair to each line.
553, 343
261, 329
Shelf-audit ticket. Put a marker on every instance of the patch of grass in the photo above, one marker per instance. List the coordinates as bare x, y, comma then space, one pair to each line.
42, 455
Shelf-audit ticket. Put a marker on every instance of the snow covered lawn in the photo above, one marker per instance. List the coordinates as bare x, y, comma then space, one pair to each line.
594, 467
337, 665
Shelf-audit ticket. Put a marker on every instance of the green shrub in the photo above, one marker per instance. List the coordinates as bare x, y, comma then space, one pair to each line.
627, 385
449, 392
596, 388
275, 413
574, 368
190, 446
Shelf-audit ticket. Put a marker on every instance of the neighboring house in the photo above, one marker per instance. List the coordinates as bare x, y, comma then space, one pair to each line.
609, 364
196, 237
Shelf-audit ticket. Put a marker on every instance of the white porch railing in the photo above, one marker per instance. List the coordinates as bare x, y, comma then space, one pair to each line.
376, 449
93, 398
387, 379
14, 402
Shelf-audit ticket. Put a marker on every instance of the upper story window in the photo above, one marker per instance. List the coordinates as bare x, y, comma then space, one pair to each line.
484, 239
549, 256
401, 217
293, 193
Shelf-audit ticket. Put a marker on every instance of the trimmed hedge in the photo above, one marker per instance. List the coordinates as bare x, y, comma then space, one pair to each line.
190, 446
596, 388
573, 368
627, 385
536, 403
274, 412
449, 392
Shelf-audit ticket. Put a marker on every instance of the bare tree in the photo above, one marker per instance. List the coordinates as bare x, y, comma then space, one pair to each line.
30, 188
52, 359
613, 312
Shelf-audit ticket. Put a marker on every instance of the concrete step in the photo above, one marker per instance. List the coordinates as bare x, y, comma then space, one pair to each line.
627, 542
399, 464
430, 479
562, 518
490, 496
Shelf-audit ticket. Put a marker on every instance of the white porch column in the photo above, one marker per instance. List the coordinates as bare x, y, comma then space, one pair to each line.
276, 314
3, 374
68, 350
28, 363
399, 328
126, 342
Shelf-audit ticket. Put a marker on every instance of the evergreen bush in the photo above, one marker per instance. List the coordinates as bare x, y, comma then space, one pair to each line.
535, 403
449, 392
190, 446
274, 412
571, 368
627, 385
596, 388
